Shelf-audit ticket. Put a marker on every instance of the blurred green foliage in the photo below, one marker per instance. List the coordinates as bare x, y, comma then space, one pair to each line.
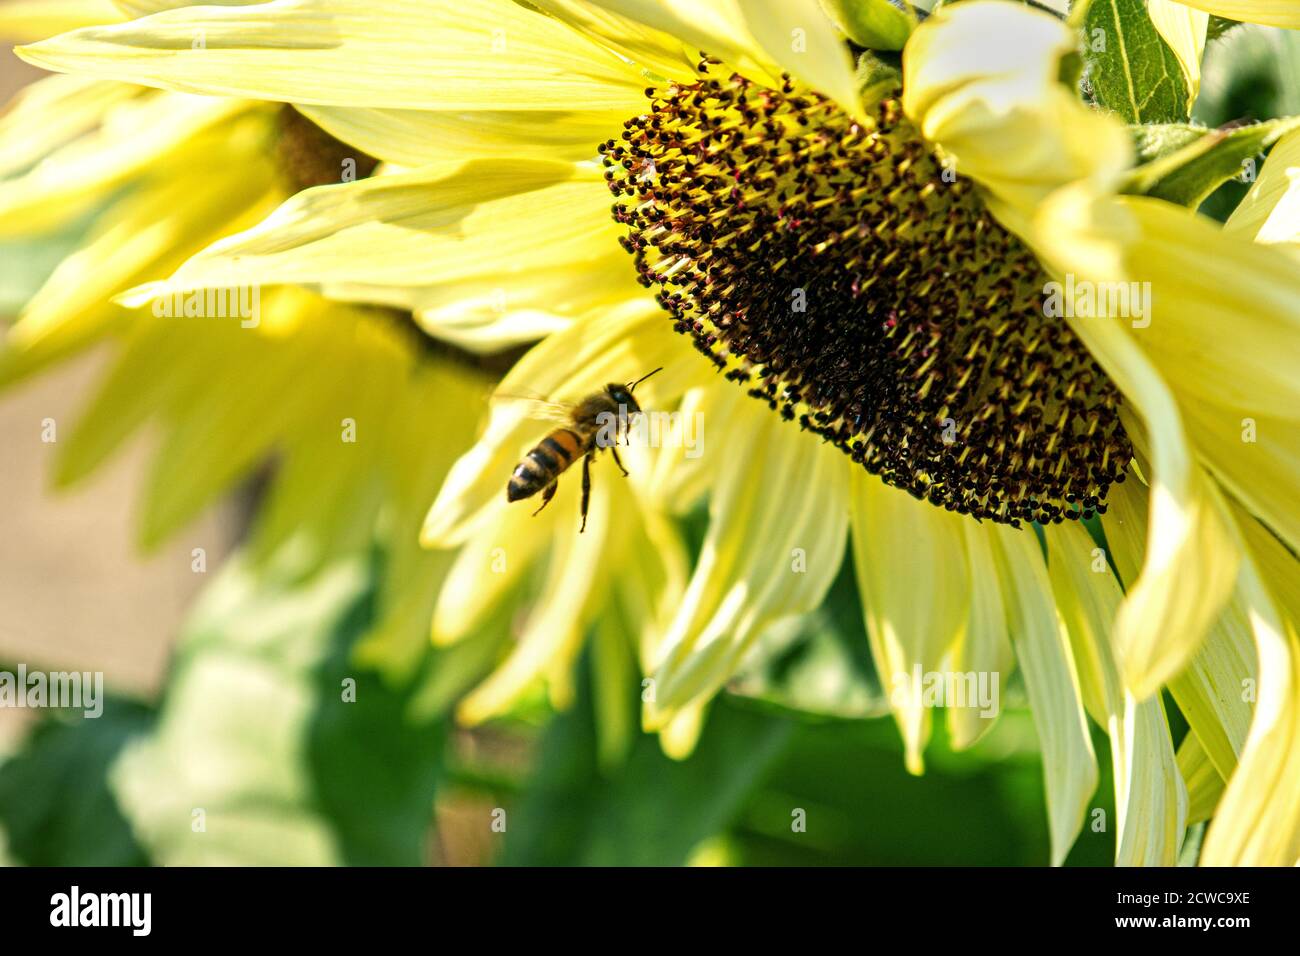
736, 799
56, 808
1249, 74
268, 747
254, 731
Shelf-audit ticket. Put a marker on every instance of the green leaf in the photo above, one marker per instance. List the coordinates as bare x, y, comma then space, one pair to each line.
877, 77
1158, 140
373, 769
1131, 70
1185, 164
873, 24
257, 733
1252, 73
56, 808
651, 811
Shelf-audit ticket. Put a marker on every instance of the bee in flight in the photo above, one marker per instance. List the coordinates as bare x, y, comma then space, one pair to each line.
586, 431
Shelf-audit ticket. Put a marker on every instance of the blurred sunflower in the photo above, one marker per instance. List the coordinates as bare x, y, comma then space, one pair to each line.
333, 396
866, 254
358, 410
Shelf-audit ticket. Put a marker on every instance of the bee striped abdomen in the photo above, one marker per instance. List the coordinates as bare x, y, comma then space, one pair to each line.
544, 464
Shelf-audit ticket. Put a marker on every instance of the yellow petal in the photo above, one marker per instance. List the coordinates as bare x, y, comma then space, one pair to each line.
474, 328
981, 81
446, 222
897, 543
1270, 212
417, 137
984, 647
1258, 819
1189, 260
627, 569
648, 592
791, 35
497, 311
1191, 558
417, 451
799, 37
143, 8
1204, 785
420, 54
143, 233
135, 136
680, 735
651, 591
1150, 798
1183, 28
679, 481
25, 20
1209, 690
1275, 13
565, 605
146, 377
486, 568
1043, 651
224, 432
656, 53
1238, 393
492, 312
52, 112
772, 550
1087, 599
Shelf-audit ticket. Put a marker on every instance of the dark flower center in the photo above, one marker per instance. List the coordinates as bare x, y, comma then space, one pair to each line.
309, 156
845, 278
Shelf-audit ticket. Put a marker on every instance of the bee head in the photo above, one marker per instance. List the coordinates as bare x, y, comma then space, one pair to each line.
622, 395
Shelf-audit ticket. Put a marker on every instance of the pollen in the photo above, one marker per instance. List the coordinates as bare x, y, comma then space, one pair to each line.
843, 275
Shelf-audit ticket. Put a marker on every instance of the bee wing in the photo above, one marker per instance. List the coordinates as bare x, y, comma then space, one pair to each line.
539, 408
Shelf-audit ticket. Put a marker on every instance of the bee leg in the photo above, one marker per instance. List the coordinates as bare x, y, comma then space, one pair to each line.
586, 490
547, 495
618, 461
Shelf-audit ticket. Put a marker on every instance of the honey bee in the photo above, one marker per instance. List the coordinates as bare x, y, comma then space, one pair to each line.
585, 433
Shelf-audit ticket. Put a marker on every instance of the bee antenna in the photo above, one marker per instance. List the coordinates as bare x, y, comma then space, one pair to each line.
632, 387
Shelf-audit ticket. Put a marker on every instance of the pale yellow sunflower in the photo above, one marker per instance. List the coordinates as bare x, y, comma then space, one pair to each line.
931, 221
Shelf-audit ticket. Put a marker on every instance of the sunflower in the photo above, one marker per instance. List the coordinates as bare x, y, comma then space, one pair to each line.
844, 272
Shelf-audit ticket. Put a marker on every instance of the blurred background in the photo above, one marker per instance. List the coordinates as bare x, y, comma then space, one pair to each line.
74, 592
222, 742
